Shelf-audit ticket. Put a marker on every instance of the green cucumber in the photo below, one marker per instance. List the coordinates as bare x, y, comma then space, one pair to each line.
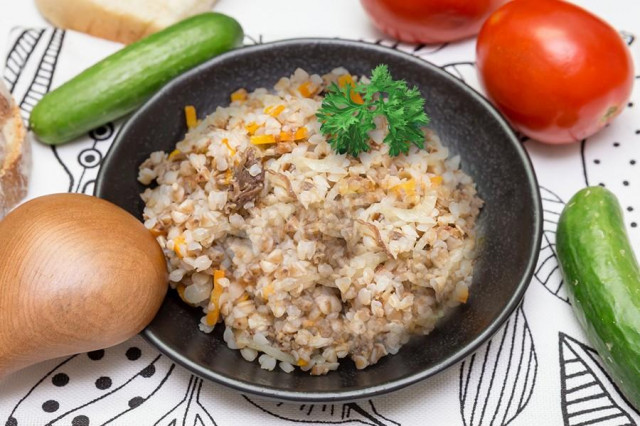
603, 279
123, 81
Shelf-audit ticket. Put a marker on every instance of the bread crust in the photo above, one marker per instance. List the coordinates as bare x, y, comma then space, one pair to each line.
15, 170
120, 21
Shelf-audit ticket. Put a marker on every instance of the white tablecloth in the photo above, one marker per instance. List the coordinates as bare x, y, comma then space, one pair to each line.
539, 369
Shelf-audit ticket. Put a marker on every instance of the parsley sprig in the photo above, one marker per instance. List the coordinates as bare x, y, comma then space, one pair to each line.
347, 114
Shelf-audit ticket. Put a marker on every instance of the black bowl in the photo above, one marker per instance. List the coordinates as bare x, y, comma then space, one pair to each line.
509, 224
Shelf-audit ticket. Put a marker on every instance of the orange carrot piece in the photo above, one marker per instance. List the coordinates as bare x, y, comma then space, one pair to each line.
345, 79
179, 240
300, 134
286, 137
190, 116
274, 111
216, 292
239, 95
263, 139
252, 127
463, 295
408, 187
355, 97
225, 142
174, 154
307, 89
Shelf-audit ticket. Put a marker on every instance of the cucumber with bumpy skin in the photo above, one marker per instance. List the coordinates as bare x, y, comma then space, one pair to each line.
123, 81
603, 279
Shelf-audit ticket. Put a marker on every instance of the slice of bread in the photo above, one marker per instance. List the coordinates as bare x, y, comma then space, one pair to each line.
124, 21
15, 153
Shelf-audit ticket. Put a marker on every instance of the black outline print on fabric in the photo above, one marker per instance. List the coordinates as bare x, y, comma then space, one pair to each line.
11, 420
92, 158
19, 55
422, 49
585, 398
453, 68
252, 40
585, 161
583, 158
547, 270
496, 382
41, 82
416, 49
189, 411
143, 374
89, 158
324, 413
628, 37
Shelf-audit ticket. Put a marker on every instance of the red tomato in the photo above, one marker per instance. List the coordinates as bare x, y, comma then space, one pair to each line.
556, 71
430, 21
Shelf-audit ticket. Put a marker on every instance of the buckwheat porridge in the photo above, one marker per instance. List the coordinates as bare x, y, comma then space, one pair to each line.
308, 256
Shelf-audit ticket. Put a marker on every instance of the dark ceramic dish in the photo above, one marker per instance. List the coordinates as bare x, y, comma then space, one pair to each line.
509, 224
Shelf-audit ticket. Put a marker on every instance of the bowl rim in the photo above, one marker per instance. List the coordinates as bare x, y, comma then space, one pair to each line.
376, 390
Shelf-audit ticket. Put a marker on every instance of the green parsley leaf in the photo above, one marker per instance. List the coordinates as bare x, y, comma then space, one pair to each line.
347, 114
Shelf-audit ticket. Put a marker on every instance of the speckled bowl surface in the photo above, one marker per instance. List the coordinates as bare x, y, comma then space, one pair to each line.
509, 224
